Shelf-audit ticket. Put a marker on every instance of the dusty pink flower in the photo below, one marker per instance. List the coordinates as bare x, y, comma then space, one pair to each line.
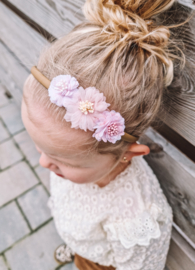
61, 89
110, 127
85, 107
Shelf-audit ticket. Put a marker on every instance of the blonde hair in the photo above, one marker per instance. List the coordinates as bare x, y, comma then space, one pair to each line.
122, 51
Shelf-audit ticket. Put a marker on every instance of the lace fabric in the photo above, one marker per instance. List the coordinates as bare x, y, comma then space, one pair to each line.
126, 224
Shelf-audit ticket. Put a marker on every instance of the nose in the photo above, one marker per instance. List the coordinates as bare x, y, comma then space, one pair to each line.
46, 162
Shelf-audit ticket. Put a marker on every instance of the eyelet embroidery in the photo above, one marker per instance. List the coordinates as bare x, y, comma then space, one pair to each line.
108, 225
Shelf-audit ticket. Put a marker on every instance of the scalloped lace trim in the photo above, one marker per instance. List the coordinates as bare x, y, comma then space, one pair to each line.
137, 231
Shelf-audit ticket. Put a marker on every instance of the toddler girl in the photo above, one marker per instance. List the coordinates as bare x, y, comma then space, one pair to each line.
105, 84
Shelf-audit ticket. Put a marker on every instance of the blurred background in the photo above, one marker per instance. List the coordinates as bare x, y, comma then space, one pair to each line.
27, 233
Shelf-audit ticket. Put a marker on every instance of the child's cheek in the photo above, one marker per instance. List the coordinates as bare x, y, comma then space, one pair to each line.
74, 175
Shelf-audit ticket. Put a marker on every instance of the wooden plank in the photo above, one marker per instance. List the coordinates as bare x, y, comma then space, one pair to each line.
176, 139
187, 3
175, 173
183, 244
12, 73
172, 151
180, 96
181, 256
176, 259
57, 17
19, 37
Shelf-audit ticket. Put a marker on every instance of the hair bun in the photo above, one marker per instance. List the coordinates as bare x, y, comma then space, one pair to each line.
133, 21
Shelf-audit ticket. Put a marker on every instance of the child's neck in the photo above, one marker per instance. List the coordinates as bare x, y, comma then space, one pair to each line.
112, 175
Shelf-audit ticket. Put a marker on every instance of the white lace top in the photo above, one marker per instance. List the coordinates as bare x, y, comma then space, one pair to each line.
126, 224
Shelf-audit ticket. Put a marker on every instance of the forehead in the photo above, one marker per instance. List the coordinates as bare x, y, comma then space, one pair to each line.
54, 137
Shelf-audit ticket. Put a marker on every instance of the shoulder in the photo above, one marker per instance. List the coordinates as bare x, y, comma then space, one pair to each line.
139, 230
137, 190
143, 212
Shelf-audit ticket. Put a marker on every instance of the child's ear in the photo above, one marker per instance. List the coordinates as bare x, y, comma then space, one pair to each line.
135, 149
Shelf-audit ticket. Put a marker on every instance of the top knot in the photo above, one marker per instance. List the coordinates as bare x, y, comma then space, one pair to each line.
129, 18
133, 21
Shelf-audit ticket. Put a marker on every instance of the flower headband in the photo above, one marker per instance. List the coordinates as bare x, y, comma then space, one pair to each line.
85, 108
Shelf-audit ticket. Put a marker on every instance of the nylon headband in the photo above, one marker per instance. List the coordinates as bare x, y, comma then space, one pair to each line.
46, 83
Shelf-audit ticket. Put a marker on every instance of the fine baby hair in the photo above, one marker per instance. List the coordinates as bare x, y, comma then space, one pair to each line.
120, 50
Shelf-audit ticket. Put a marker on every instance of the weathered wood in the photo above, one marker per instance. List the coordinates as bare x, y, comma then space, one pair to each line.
12, 73
179, 99
19, 37
174, 261
176, 139
187, 3
187, 248
172, 151
181, 256
57, 17
176, 176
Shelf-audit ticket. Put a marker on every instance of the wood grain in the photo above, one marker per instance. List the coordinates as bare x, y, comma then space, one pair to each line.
177, 260
181, 256
172, 151
20, 38
57, 17
176, 139
187, 3
179, 98
12, 73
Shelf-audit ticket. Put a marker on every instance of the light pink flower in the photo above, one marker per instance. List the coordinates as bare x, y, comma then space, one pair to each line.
85, 107
110, 127
61, 89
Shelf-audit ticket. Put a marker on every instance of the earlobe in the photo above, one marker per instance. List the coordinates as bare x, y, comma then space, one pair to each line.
135, 149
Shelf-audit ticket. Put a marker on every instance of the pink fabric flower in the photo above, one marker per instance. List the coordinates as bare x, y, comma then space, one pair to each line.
62, 88
110, 127
85, 107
